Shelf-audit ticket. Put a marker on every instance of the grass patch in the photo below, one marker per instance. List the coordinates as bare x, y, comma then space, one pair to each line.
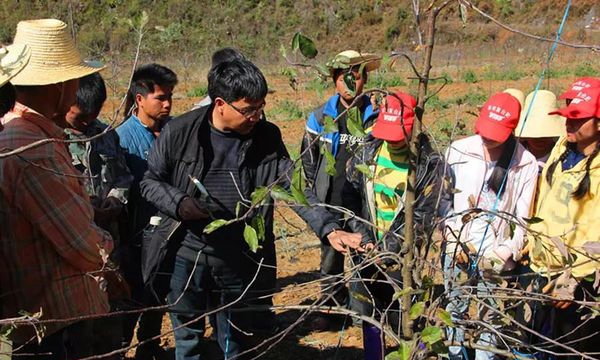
511, 75
470, 77
384, 80
436, 104
318, 85
586, 69
558, 73
198, 91
287, 110
470, 99
442, 130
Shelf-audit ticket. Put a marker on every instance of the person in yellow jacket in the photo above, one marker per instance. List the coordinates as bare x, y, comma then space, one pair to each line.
564, 244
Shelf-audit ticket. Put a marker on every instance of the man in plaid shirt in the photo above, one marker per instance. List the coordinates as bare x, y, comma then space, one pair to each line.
51, 251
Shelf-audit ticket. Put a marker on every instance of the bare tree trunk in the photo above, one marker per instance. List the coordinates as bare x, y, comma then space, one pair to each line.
409, 233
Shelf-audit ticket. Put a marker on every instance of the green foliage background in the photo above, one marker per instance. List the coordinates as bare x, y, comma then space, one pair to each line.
196, 28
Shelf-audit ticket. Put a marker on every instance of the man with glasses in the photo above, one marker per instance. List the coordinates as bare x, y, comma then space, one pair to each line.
349, 70
205, 166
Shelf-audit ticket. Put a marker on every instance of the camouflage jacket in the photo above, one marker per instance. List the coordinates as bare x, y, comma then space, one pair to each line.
102, 161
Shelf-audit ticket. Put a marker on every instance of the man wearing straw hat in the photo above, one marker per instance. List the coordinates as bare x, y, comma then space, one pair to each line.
13, 59
349, 70
51, 250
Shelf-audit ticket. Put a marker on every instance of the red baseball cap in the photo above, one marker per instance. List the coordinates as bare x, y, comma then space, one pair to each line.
579, 85
399, 112
585, 104
498, 117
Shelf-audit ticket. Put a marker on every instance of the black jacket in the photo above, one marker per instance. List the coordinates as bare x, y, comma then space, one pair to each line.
178, 153
432, 194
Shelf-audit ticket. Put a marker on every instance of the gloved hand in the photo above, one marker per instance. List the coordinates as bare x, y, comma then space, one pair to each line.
107, 211
194, 209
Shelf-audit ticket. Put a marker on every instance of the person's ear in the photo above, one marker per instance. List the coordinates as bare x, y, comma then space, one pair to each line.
138, 99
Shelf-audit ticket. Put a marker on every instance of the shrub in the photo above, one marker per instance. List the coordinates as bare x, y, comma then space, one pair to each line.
469, 77
511, 75
436, 104
198, 91
288, 110
586, 69
384, 80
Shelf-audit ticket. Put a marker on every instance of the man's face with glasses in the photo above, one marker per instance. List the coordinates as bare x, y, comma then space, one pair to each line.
240, 116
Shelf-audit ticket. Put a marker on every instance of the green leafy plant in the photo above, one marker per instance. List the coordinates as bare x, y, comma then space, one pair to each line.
470, 77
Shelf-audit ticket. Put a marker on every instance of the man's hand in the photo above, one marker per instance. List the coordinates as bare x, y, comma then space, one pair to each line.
192, 209
341, 240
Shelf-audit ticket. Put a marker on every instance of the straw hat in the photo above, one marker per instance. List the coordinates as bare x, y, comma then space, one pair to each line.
539, 124
54, 58
13, 59
349, 58
518, 94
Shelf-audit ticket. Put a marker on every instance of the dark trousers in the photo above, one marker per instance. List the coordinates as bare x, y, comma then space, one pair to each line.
332, 272
566, 326
150, 322
73, 342
189, 292
372, 294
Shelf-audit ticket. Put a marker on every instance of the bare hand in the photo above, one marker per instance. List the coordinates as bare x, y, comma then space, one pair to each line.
341, 240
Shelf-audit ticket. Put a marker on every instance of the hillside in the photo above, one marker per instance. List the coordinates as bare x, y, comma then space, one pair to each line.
192, 29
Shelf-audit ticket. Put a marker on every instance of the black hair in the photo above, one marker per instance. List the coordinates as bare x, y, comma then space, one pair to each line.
143, 81
236, 79
225, 54
584, 185
91, 94
8, 97
496, 180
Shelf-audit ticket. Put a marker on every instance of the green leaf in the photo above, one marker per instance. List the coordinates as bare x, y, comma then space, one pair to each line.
431, 334
296, 42
305, 45
416, 310
144, 19
258, 223
298, 177
215, 225
354, 123
251, 238
533, 220
365, 169
444, 316
462, 9
259, 195
329, 161
299, 196
360, 297
323, 71
397, 295
403, 352
279, 193
439, 348
329, 125
350, 82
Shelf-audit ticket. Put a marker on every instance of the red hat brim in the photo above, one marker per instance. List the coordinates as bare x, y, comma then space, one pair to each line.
391, 131
492, 130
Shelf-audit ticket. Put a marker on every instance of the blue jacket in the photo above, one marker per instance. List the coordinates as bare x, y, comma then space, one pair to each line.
312, 159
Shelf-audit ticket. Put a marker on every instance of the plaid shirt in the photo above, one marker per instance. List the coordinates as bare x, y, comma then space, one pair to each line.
49, 244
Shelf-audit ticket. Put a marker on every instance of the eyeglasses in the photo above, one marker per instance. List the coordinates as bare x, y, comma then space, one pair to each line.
249, 111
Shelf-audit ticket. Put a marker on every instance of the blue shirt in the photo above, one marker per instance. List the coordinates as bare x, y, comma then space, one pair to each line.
137, 140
